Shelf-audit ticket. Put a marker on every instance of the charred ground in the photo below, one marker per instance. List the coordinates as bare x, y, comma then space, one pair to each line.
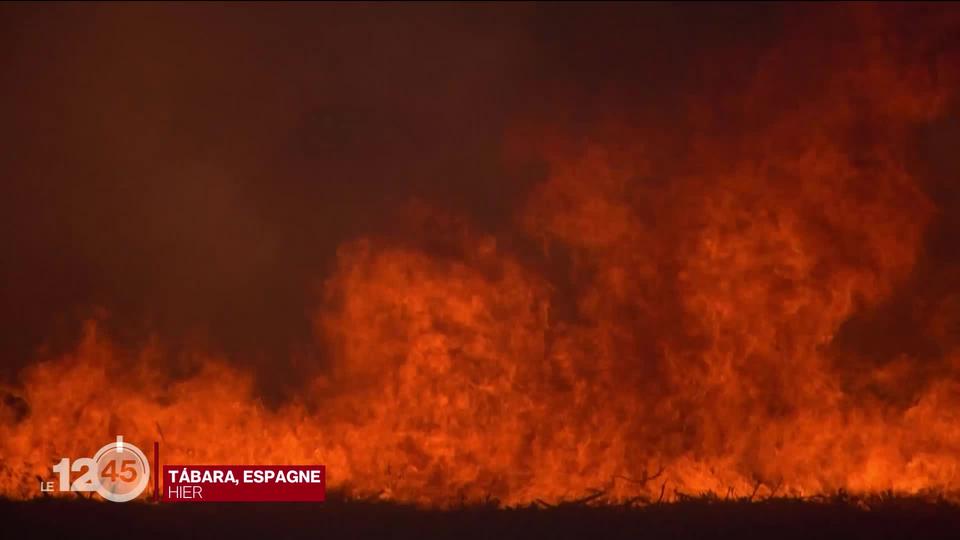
704, 517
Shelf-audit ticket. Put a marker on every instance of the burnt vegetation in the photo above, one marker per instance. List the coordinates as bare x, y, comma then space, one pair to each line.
705, 516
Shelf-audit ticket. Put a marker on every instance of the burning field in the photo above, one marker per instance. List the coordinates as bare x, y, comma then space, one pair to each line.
711, 255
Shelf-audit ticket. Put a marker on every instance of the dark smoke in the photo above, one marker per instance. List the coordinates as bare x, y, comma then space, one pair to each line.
190, 169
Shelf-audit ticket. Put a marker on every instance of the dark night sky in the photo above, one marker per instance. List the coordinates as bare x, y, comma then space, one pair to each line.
192, 168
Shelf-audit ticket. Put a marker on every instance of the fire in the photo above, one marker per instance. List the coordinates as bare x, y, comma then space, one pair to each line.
673, 331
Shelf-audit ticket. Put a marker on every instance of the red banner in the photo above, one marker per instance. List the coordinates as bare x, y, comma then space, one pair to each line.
213, 483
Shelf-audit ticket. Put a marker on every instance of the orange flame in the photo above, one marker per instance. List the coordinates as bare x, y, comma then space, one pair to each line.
674, 331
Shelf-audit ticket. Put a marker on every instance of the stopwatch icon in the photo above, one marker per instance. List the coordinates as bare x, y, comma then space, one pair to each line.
122, 471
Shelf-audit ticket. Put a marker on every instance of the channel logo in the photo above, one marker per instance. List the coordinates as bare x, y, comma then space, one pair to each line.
118, 472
